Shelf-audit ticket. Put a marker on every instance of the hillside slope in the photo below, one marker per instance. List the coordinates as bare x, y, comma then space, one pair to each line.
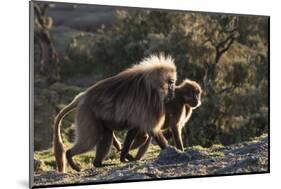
246, 157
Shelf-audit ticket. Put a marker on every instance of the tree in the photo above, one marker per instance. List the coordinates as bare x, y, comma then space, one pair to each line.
47, 59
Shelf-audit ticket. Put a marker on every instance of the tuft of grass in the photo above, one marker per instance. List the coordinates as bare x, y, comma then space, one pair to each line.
114, 154
46, 159
212, 151
216, 154
257, 139
216, 146
199, 148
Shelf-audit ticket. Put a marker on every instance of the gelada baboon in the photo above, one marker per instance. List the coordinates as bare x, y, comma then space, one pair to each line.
178, 111
133, 100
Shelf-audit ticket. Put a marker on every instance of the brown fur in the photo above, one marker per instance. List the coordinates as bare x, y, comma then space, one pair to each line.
133, 99
178, 112
58, 144
59, 149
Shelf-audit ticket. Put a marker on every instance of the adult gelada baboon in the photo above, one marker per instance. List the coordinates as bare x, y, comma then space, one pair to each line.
178, 112
131, 100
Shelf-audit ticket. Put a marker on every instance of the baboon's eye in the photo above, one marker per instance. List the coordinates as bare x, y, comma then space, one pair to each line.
195, 95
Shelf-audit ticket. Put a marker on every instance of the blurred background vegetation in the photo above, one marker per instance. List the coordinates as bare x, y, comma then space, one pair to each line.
77, 45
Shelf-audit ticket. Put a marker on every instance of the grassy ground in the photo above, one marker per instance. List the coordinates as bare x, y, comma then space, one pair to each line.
245, 157
46, 161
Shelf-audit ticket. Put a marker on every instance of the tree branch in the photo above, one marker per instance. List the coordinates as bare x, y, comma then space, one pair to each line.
223, 46
227, 89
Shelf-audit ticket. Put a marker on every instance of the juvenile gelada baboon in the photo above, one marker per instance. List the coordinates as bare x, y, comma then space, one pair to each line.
132, 100
178, 112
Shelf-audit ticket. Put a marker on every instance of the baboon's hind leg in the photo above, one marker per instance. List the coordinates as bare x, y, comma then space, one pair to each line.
103, 147
79, 147
87, 137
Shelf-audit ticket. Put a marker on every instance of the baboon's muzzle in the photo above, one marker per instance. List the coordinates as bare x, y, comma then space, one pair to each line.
171, 92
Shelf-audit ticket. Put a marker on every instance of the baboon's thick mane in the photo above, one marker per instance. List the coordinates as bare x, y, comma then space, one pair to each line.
155, 61
127, 95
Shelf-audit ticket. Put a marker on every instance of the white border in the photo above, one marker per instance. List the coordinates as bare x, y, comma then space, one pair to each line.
14, 91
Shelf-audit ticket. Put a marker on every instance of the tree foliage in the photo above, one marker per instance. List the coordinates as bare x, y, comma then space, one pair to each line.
226, 54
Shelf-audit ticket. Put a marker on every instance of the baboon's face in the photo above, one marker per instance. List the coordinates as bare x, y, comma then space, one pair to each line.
192, 95
166, 84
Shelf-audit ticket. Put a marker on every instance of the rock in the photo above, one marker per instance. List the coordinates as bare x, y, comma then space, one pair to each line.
50, 177
133, 176
172, 155
251, 148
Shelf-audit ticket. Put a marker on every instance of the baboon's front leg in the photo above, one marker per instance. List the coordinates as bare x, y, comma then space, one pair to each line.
143, 149
160, 139
127, 144
177, 137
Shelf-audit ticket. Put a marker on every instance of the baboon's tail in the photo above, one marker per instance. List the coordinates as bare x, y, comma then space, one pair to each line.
58, 144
